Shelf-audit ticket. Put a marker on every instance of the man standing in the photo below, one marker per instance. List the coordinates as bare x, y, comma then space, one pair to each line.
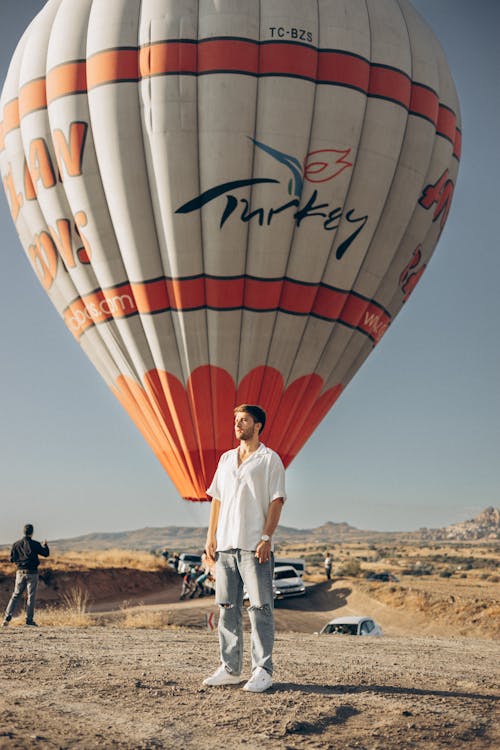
248, 492
25, 554
327, 562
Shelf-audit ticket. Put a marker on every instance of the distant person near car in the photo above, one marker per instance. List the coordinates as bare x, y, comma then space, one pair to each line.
327, 562
248, 492
188, 586
24, 554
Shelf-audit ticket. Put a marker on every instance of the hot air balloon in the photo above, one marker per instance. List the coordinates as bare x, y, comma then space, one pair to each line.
228, 201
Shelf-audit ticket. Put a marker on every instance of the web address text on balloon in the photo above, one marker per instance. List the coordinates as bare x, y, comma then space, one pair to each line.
230, 294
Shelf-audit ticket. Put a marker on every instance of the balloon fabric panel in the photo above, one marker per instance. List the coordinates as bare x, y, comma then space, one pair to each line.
228, 202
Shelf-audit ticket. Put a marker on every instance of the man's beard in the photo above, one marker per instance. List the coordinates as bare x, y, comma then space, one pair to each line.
245, 434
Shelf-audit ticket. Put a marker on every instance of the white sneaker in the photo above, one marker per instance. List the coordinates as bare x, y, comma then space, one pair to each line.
259, 681
222, 677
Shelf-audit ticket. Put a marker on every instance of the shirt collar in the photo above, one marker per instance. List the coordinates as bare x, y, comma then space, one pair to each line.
260, 450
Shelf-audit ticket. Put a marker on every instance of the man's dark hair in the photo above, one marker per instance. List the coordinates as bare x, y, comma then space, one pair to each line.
28, 529
255, 411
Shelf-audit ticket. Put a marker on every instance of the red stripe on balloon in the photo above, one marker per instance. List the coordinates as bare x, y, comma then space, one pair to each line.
238, 56
344, 69
424, 102
228, 55
168, 57
182, 295
11, 120
260, 295
299, 298
447, 123
32, 97
67, 78
113, 66
228, 295
288, 59
387, 83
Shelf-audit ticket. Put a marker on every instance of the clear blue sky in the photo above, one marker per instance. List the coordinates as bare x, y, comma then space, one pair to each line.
414, 440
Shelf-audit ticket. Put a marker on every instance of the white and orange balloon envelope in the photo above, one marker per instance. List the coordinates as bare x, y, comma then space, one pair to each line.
228, 200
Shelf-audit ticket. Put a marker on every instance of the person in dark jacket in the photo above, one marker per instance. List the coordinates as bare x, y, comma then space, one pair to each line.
25, 554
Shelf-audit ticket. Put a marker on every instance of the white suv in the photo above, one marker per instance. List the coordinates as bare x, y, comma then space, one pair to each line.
287, 582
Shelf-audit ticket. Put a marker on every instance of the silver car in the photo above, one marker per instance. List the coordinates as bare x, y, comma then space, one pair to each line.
287, 582
352, 626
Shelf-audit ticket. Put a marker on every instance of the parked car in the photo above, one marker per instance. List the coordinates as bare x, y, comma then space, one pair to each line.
298, 563
188, 561
287, 582
351, 626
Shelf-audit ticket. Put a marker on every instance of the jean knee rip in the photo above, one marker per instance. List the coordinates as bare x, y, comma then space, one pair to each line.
226, 605
265, 608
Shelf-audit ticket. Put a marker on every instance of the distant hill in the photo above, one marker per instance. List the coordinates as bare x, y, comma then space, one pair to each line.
486, 526
192, 538
148, 539
331, 533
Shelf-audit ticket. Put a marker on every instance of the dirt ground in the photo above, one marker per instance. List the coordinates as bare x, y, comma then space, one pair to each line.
109, 687
400, 610
132, 679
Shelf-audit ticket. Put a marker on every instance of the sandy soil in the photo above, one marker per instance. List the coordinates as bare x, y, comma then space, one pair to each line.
111, 687
421, 686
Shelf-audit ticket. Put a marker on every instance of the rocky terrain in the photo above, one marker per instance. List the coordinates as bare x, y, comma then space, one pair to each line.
114, 689
484, 526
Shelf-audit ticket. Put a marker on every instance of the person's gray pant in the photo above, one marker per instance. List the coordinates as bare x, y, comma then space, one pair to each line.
24, 582
237, 568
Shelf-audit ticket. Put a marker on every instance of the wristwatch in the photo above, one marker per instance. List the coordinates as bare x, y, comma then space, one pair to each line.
265, 538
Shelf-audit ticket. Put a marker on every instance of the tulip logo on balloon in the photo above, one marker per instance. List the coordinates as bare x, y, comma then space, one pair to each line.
319, 166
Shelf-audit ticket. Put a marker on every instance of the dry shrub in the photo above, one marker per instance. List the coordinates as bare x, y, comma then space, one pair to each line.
92, 560
61, 617
113, 558
76, 600
422, 601
351, 568
142, 618
72, 613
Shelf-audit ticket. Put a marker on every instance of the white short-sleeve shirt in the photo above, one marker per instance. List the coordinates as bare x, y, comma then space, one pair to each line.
245, 493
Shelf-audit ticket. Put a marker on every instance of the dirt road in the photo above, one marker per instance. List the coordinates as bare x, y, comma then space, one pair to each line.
107, 687
408, 611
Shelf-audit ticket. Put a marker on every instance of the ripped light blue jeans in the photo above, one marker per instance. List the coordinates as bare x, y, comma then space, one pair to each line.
237, 568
